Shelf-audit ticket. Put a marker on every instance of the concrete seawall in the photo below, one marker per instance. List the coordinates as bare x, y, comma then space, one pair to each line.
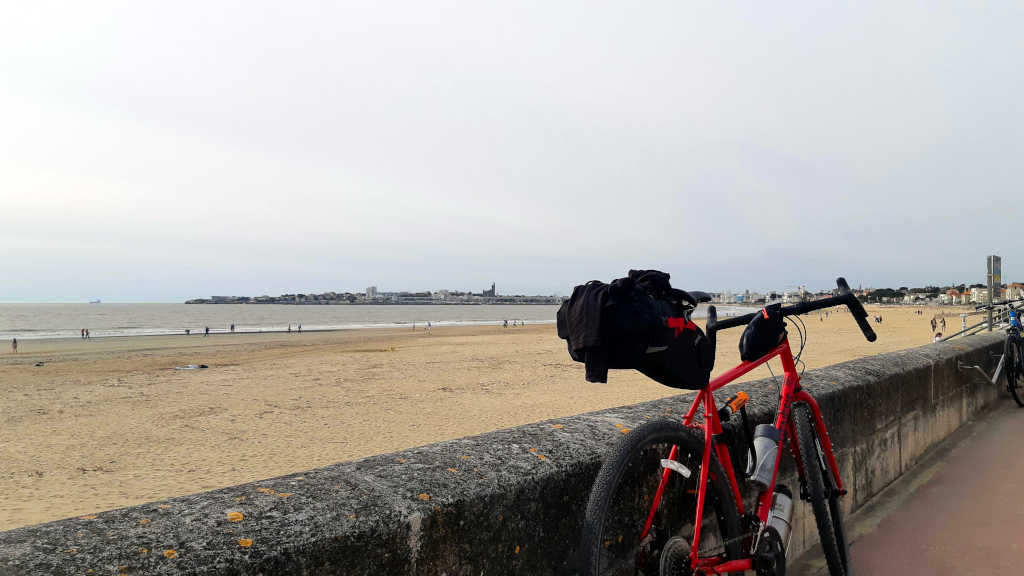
509, 501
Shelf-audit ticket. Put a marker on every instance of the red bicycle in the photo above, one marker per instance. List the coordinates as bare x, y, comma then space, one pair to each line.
667, 500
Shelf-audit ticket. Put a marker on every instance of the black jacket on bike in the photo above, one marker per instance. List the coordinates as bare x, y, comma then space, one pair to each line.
623, 325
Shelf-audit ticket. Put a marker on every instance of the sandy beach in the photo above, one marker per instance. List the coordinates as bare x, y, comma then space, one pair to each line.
106, 423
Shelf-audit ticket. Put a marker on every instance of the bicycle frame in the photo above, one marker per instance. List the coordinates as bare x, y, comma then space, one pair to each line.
712, 425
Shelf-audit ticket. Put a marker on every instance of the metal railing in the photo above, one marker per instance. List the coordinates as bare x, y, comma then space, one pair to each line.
995, 317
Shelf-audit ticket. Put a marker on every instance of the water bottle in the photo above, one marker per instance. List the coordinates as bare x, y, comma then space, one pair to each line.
773, 542
766, 444
781, 517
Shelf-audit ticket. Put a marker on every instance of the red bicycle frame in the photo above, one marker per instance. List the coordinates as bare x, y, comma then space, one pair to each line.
712, 425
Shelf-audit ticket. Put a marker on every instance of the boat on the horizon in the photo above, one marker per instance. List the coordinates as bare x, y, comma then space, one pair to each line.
96, 301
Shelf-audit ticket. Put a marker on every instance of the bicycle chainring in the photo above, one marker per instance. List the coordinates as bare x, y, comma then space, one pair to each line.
675, 558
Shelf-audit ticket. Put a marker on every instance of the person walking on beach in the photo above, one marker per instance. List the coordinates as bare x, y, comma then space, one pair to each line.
506, 323
232, 328
14, 346
428, 327
289, 327
933, 324
188, 331
207, 332
300, 328
87, 335
943, 323
83, 333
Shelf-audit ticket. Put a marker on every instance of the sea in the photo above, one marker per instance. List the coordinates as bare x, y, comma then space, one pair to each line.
29, 321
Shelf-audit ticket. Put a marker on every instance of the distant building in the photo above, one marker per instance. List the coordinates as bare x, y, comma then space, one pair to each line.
979, 295
951, 296
371, 293
490, 292
1015, 291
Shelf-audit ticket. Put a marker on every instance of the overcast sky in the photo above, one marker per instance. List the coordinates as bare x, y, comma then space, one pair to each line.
162, 151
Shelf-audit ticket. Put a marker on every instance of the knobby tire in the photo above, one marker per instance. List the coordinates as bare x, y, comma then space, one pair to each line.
1012, 353
824, 501
623, 494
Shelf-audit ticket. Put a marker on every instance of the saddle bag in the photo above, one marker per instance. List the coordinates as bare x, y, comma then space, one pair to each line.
683, 359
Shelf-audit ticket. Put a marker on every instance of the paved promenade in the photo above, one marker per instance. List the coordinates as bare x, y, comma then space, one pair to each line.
960, 512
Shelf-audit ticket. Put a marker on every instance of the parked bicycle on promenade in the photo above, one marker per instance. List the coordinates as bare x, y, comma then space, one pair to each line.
1012, 361
667, 500
1013, 357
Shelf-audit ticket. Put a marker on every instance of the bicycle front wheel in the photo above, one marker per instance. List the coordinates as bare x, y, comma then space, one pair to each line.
1012, 369
623, 496
822, 491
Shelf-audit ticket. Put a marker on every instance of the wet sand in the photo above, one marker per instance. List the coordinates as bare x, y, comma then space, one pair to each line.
106, 423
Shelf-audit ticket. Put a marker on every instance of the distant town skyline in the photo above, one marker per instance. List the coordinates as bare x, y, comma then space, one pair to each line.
374, 296
784, 289
722, 296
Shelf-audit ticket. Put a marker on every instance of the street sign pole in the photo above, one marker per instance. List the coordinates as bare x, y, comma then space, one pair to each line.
995, 281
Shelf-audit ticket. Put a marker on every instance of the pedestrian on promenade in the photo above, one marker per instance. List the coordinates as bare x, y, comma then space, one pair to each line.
300, 328
83, 333
87, 335
289, 327
232, 328
187, 331
428, 327
506, 323
207, 332
14, 346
